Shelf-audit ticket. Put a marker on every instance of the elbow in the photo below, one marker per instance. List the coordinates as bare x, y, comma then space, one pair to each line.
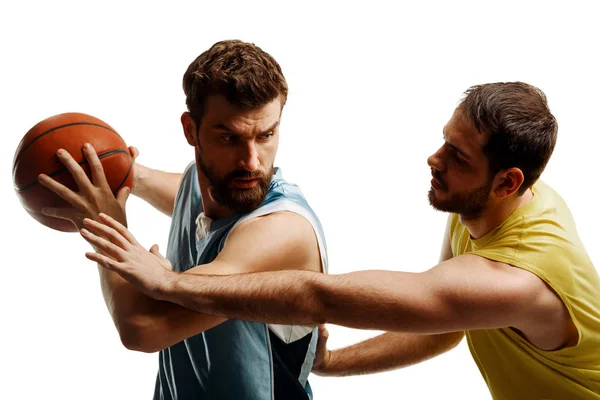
457, 337
451, 340
319, 307
132, 341
134, 336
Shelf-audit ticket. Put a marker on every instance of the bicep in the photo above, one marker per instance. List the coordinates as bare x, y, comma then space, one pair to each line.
277, 241
463, 293
472, 292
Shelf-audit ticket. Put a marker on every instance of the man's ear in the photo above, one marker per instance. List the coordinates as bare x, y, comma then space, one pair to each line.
189, 129
508, 182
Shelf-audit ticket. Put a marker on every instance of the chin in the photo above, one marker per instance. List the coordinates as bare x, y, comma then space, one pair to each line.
435, 202
433, 197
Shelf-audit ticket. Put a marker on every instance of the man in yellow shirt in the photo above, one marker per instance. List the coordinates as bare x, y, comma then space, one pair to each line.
513, 274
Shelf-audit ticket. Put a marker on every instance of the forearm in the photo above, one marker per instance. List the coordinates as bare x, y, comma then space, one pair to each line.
362, 300
145, 324
158, 188
391, 350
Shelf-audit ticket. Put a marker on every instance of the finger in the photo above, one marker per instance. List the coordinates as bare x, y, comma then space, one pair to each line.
154, 250
113, 223
98, 175
123, 195
323, 333
107, 232
134, 152
113, 265
104, 261
104, 245
61, 190
163, 261
81, 179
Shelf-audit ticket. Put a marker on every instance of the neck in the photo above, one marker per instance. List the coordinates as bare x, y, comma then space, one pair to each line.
211, 208
495, 215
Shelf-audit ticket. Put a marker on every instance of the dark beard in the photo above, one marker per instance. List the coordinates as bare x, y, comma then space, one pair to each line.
240, 201
469, 205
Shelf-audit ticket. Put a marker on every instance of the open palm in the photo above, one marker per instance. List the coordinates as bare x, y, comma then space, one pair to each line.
118, 250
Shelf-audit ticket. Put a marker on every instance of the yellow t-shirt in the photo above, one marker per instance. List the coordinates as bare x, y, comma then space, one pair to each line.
539, 237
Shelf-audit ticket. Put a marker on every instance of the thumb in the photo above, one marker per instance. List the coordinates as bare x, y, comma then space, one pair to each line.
323, 334
154, 250
322, 355
163, 261
123, 195
134, 152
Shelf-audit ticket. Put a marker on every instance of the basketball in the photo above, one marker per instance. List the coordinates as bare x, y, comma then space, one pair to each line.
36, 154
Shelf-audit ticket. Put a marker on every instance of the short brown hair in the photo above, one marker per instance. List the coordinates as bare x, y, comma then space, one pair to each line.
522, 130
247, 76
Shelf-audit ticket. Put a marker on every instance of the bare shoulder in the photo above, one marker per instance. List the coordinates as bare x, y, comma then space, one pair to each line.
280, 226
280, 240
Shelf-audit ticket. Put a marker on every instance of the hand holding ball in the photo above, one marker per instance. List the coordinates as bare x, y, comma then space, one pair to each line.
36, 154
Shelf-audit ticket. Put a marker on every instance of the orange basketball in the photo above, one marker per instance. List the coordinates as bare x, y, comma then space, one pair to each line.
36, 154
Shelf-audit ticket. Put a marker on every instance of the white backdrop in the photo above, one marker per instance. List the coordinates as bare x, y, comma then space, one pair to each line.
371, 86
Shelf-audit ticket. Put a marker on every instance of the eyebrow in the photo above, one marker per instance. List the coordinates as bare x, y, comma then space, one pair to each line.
225, 128
459, 151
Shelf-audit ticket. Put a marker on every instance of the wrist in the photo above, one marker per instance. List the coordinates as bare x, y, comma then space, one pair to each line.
141, 174
168, 287
324, 368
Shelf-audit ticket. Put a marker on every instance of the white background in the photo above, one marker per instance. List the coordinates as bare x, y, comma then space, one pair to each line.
371, 86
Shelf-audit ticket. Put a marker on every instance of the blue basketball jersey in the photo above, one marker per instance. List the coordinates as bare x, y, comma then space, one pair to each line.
236, 359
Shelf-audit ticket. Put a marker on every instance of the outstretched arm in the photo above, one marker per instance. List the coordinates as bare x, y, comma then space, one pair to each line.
464, 293
388, 351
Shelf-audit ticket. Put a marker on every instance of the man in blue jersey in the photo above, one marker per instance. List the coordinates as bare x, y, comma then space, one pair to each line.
232, 212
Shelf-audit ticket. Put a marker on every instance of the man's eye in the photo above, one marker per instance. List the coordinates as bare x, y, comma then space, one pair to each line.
460, 160
227, 138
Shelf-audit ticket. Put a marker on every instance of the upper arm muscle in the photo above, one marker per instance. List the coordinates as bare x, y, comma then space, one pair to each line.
281, 240
472, 292
477, 293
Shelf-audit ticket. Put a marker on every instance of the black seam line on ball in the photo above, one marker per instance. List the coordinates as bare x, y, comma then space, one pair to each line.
126, 175
84, 162
56, 128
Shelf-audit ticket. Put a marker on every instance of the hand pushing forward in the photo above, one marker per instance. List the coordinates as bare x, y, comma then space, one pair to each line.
118, 251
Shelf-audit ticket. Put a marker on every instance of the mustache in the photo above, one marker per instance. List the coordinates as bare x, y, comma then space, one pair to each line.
436, 175
243, 174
